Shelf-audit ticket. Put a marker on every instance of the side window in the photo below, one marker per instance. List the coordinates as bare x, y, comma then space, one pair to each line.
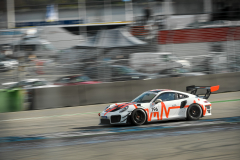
75, 79
82, 79
167, 71
165, 58
21, 84
28, 47
39, 83
117, 71
168, 96
64, 80
181, 96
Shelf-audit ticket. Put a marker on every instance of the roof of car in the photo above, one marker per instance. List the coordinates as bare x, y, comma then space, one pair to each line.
168, 90
33, 80
156, 53
72, 76
160, 90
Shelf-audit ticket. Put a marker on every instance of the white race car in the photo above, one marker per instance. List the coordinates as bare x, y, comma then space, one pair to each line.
160, 104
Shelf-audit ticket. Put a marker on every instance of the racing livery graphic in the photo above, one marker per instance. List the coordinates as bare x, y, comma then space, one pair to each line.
160, 104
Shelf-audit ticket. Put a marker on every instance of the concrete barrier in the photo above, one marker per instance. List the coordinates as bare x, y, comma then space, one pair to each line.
55, 97
126, 91
106, 92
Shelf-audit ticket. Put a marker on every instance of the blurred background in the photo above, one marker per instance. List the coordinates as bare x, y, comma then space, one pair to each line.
116, 40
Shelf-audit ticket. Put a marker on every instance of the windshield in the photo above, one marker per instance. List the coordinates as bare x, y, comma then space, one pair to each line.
48, 47
73, 79
125, 70
82, 79
26, 83
182, 70
146, 97
169, 57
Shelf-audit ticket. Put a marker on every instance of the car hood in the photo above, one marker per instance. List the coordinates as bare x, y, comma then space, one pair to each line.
194, 74
118, 106
184, 63
138, 75
44, 86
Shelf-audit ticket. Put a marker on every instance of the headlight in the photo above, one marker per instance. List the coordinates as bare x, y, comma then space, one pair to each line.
106, 107
124, 109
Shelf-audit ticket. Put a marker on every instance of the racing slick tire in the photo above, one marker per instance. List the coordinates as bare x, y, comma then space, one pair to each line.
194, 112
138, 117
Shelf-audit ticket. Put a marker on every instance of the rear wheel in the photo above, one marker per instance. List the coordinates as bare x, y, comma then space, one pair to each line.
194, 112
138, 117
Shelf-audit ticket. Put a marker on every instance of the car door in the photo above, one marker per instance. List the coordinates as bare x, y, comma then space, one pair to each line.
169, 107
182, 98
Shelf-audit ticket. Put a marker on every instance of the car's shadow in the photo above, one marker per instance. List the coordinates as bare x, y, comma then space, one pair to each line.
128, 125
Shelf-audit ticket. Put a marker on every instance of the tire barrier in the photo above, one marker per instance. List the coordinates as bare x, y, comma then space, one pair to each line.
125, 91
11, 100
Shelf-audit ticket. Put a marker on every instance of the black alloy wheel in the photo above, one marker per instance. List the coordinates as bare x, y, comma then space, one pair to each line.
138, 117
194, 112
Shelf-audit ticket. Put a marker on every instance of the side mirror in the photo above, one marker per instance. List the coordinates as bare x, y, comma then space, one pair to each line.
157, 101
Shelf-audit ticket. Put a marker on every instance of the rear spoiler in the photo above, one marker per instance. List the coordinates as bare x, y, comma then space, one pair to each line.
209, 89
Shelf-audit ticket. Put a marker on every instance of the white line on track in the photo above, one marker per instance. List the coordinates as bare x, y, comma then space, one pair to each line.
53, 116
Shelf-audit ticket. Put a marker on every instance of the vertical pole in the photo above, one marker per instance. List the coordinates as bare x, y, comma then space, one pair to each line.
82, 15
207, 6
10, 14
128, 10
107, 10
168, 11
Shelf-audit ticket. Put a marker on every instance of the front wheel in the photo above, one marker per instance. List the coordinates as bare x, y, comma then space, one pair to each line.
138, 117
194, 112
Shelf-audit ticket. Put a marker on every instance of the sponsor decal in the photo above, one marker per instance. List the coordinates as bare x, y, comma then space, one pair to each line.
159, 115
154, 109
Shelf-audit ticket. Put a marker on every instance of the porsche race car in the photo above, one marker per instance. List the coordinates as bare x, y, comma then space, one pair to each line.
160, 104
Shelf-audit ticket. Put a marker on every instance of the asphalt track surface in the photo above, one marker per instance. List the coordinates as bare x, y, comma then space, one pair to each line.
73, 133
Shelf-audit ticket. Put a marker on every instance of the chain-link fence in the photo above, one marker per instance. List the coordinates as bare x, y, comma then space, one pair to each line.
116, 55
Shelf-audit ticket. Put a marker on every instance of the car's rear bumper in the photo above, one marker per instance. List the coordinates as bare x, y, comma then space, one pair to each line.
208, 108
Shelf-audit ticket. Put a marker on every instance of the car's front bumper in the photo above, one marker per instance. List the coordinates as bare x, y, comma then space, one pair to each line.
114, 118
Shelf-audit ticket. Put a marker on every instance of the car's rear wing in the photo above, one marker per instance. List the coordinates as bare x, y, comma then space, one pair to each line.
209, 89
